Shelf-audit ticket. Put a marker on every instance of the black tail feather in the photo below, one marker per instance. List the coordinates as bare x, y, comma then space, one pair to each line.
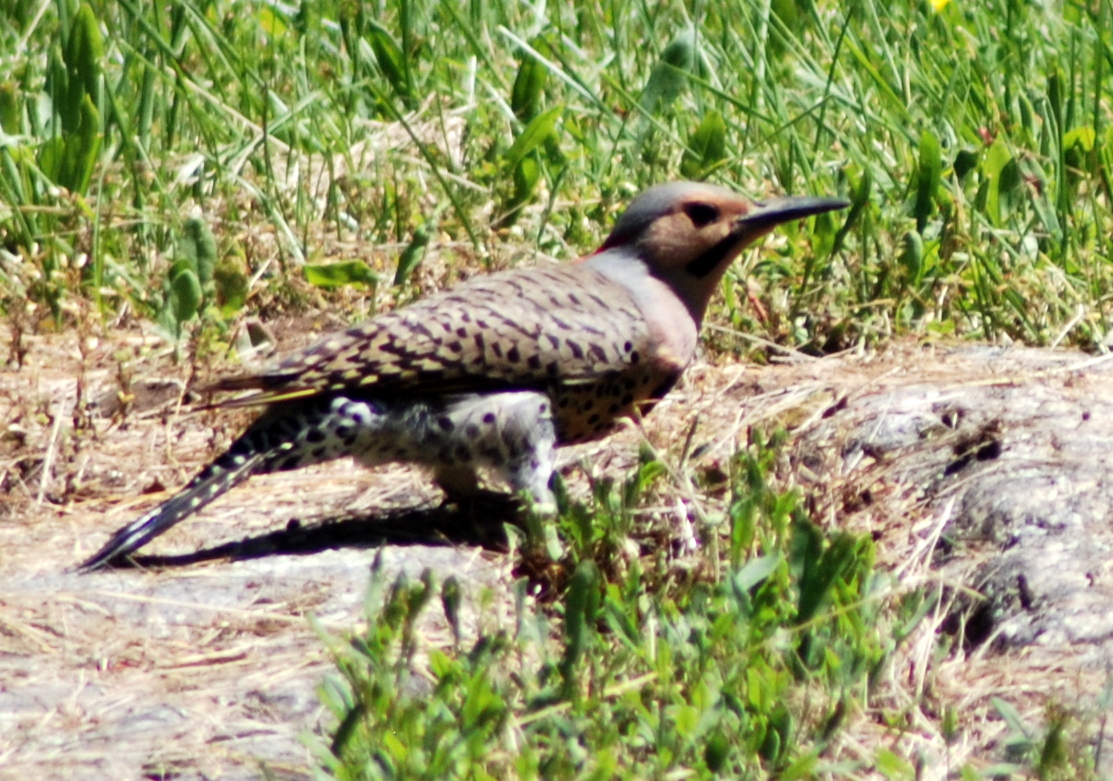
227, 471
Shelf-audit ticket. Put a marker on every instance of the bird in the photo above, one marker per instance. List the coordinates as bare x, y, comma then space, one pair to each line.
497, 372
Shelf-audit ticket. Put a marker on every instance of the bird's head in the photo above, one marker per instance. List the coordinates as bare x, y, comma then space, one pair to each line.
687, 233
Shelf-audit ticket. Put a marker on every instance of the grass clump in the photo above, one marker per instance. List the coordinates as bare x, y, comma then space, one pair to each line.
974, 141
635, 670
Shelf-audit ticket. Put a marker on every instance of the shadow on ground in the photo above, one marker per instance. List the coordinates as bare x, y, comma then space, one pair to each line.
446, 525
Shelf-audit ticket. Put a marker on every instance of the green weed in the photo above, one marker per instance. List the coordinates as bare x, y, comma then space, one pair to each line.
631, 674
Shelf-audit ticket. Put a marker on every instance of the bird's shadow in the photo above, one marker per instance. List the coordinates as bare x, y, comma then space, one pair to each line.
480, 525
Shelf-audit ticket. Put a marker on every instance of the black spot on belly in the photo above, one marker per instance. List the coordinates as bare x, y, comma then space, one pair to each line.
445, 423
315, 436
489, 418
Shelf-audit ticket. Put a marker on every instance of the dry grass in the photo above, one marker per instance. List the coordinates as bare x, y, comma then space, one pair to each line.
208, 669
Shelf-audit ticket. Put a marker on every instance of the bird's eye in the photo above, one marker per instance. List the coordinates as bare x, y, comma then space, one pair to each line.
701, 214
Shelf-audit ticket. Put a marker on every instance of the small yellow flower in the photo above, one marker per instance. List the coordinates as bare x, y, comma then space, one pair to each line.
939, 5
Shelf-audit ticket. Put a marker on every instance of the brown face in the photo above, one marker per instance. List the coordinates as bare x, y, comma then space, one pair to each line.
699, 232
687, 233
702, 228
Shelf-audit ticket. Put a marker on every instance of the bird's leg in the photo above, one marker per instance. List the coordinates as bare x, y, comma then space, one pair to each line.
511, 433
530, 432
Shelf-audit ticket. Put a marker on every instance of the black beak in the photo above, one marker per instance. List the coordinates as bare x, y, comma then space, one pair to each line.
762, 218
768, 214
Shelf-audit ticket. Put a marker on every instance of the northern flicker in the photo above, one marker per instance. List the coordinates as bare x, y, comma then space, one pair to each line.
498, 371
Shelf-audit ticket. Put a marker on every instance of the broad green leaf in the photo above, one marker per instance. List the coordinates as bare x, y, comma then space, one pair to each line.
532, 136
198, 245
670, 74
526, 177
1082, 137
819, 575
716, 751
69, 160
928, 173
581, 606
85, 49
707, 146
1055, 95
185, 292
912, 256
755, 571
450, 602
273, 24
965, 162
346, 272
392, 62
1012, 717
83, 55
996, 159
413, 253
777, 736
231, 287
10, 108
894, 767
529, 86
52, 155
86, 147
804, 767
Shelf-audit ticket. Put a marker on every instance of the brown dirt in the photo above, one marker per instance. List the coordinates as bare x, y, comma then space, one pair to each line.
207, 667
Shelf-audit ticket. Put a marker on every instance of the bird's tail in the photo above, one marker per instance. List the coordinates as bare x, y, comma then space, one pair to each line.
218, 477
272, 444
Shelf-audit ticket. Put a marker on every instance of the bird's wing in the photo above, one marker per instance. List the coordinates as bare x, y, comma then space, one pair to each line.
524, 328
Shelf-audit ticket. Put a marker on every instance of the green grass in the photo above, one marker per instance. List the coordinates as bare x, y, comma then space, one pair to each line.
186, 163
652, 670
974, 142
